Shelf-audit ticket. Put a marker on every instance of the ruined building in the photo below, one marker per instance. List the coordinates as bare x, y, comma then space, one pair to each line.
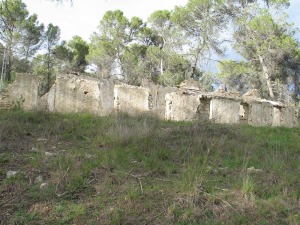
187, 102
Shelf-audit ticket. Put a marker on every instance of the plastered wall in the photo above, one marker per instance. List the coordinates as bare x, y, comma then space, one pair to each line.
182, 106
225, 110
81, 94
72, 93
132, 100
25, 90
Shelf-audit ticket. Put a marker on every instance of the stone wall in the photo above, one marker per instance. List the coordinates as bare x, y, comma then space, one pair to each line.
81, 94
72, 93
194, 105
225, 110
182, 106
269, 113
25, 91
47, 101
5, 103
132, 100
289, 117
158, 94
260, 114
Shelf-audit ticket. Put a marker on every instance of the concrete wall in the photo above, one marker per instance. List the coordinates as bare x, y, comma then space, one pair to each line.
25, 89
225, 110
132, 100
82, 94
261, 114
159, 102
72, 93
289, 117
47, 101
182, 107
277, 116
5, 103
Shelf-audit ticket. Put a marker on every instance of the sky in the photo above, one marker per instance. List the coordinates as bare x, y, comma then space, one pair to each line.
83, 16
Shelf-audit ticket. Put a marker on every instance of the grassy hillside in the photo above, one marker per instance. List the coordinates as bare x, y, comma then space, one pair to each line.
81, 169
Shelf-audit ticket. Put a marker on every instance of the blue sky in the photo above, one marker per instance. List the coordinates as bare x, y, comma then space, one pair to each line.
294, 14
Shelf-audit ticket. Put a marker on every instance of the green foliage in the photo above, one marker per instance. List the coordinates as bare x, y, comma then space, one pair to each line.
31, 37
176, 70
64, 57
108, 47
269, 3
18, 104
44, 65
20, 33
130, 49
238, 75
266, 43
40, 68
229, 68
160, 23
201, 22
79, 50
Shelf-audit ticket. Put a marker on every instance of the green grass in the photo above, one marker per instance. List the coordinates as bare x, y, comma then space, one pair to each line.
140, 170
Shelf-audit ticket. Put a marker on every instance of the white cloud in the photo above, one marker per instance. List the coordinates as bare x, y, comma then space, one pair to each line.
82, 18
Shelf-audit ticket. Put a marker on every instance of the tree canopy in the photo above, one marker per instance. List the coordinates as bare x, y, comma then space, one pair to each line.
266, 43
172, 45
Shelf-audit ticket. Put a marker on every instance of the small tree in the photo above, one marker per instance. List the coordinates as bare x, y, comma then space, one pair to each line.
51, 39
79, 50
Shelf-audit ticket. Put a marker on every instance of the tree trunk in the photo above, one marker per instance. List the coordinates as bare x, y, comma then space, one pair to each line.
161, 57
9, 60
296, 87
161, 66
9, 68
267, 76
197, 58
48, 72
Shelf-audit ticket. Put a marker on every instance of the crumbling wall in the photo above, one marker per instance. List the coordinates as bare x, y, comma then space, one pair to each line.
82, 94
47, 101
204, 109
261, 114
132, 100
270, 113
5, 103
158, 94
244, 113
24, 91
289, 117
182, 106
277, 111
225, 110
72, 93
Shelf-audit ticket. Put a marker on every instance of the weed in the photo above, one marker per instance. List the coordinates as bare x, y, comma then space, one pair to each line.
136, 170
18, 104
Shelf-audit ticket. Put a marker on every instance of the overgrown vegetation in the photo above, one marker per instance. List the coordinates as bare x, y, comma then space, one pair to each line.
81, 169
167, 48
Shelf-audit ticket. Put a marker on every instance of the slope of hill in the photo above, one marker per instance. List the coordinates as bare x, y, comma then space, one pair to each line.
81, 169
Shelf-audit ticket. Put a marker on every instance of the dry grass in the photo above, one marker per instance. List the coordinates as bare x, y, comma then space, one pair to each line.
124, 170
